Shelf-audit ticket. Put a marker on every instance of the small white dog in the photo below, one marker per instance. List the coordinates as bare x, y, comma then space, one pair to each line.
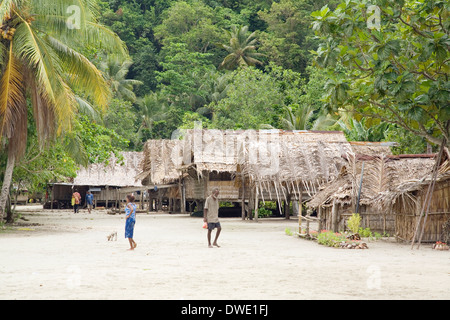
112, 236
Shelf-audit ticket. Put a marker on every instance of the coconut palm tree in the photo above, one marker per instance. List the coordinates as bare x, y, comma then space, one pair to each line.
115, 72
306, 117
40, 62
241, 48
152, 107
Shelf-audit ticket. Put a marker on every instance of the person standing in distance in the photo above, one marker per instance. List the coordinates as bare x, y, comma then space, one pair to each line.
89, 201
130, 220
211, 216
76, 199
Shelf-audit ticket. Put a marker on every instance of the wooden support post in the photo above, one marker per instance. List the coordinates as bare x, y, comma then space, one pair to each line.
52, 197
182, 196
319, 215
287, 205
334, 216
256, 204
106, 196
159, 207
300, 206
243, 199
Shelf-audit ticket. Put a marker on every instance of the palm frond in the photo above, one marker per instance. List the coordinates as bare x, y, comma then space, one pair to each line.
75, 148
379, 175
44, 116
82, 74
27, 48
84, 107
13, 109
104, 38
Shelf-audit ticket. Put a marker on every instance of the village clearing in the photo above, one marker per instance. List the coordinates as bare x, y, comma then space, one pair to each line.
59, 255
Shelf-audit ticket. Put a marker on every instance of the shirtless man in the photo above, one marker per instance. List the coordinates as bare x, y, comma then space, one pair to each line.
211, 216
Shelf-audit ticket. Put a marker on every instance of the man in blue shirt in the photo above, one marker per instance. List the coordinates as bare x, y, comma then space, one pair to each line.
89, 201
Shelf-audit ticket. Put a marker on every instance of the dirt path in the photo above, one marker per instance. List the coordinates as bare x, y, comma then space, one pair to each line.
59, 255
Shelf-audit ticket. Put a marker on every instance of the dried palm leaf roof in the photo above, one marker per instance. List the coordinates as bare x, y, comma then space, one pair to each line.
276, 157
114, 173
160, 162
372, 148
404, 190
290, 158
382, 176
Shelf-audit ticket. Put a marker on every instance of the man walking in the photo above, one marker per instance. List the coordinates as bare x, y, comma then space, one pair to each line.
211, 216
89, 201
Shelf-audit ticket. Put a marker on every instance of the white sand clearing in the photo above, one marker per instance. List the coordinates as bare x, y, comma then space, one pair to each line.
59, 255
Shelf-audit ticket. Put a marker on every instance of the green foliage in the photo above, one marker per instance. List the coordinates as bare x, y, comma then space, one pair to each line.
40, 166
408, 142
287, 41
367, 233
330, 238
264, 213
397, 72
123, 120
182, 72
98, 142
255, 98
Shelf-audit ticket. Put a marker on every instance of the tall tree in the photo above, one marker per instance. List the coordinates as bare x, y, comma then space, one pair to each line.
115, 72
389, 60
40, 60
241, 48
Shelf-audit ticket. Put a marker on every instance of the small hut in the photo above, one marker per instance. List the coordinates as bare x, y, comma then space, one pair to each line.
368, 185
406, 202
109, 182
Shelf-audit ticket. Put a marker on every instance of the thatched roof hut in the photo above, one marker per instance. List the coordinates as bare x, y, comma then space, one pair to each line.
108, 181
276, 157
406, 201
381, 175
386, 181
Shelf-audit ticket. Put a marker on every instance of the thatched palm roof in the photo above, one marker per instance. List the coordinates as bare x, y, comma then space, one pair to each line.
160, 162
290, 158
280, 158
114, 173
372, 148
382, 176
404, 190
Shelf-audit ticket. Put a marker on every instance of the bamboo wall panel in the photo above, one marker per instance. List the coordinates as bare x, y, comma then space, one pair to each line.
406, 218
376, 221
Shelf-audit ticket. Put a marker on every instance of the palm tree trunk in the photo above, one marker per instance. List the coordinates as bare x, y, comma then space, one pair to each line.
6, 184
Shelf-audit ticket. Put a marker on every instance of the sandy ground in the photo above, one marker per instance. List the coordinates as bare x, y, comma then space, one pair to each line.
59, 255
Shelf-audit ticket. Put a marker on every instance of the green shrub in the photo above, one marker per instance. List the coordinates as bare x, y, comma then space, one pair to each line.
366, 233
330, 238
353, 222
263, 212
